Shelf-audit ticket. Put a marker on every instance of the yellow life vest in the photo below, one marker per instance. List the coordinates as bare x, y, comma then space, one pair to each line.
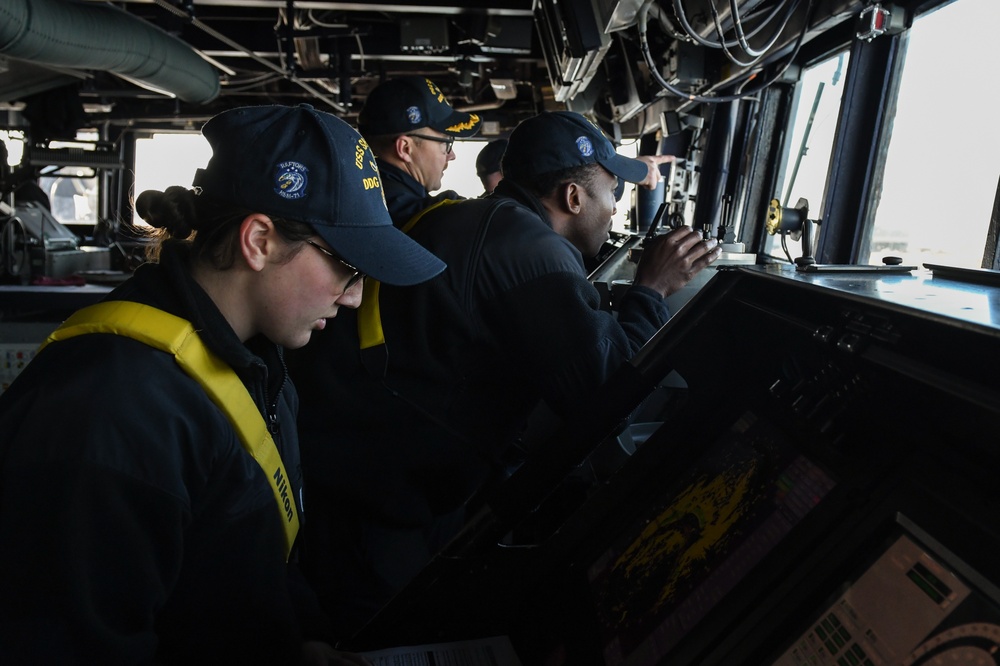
177, 336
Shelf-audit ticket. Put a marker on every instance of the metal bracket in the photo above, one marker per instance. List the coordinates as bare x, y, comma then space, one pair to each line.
876, 20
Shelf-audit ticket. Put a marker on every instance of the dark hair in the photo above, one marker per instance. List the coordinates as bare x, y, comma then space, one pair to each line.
488, 159
382, 143
545, 184
208, 225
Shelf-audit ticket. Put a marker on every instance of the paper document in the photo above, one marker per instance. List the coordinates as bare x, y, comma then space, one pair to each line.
495, 651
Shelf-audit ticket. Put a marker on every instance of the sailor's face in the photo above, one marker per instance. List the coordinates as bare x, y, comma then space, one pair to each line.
306, 291
593, 225
430, 158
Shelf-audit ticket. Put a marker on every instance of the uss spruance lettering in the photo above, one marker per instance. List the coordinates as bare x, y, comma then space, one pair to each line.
437, 92
282, 484
359, 154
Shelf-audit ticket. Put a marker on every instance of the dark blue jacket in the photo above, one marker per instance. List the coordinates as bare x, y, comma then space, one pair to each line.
404, 196
511, 321
134, 525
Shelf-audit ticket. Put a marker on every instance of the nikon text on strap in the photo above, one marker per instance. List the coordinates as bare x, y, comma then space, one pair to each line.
177, 336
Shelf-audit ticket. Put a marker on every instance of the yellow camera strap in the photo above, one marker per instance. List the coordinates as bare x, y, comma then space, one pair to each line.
370, 333
177, 336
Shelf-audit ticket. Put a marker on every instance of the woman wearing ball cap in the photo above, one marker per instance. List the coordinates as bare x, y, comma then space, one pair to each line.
150, 484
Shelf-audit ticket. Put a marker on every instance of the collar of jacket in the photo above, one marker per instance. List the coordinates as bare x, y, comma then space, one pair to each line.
404, 195
176, 291
511, 190
394, 173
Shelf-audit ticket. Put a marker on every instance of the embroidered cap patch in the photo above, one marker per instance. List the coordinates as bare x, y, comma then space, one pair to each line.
291, 179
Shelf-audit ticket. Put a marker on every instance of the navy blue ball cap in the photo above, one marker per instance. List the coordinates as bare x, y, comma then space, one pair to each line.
488, 159
301, 164
558, 140
409, 103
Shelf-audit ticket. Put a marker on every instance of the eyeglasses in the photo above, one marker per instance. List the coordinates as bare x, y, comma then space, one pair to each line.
354, 279
447, 141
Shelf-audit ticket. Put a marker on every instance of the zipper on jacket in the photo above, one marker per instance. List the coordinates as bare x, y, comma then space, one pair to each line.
271, 404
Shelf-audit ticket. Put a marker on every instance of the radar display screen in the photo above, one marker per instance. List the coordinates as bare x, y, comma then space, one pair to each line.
693, 546
914, 606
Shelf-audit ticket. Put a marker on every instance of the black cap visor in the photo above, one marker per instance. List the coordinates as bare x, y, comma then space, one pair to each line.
626, 168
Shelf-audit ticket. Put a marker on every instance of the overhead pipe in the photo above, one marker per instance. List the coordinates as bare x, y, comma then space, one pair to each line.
103, 37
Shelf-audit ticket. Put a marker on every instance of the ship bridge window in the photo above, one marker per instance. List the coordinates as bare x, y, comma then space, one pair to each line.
165, 159
808, 151
14, 145
943, 161
460, 175
72, 190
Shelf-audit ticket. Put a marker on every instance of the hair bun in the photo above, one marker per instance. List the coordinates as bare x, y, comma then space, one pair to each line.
172, 210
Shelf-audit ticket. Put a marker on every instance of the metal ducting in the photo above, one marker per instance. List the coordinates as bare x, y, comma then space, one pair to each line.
102, 37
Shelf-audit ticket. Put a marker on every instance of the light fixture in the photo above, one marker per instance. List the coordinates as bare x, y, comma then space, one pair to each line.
504, 88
